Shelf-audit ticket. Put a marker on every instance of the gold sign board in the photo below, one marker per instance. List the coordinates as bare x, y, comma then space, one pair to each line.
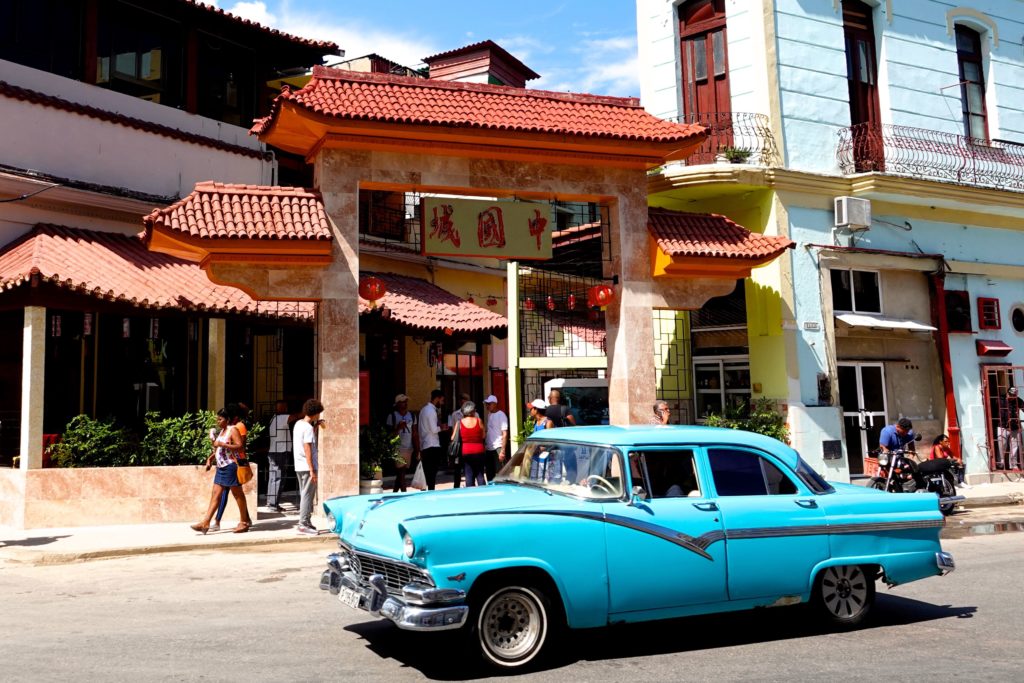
486, 228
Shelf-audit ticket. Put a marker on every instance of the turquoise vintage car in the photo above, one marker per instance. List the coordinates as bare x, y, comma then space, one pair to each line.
589, 526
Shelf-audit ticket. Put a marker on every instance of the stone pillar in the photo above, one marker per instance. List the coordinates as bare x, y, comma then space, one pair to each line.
33, 369
629, 321
216, 363
338, 176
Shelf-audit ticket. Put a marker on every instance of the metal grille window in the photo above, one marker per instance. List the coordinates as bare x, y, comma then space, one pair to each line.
672, 363
988, 313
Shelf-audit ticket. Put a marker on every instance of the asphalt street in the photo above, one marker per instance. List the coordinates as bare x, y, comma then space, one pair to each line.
257, 615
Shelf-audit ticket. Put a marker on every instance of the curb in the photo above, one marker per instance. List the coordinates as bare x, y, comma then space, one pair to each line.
993, 501
40, 559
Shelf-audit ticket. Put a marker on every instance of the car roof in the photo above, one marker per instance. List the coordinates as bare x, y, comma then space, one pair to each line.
632, 436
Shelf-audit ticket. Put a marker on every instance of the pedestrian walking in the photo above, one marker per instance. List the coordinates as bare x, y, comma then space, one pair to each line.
558, 415
280, 446
430, 443
236, 418
497, 437
227, 444
303, 438
537, 408
402, 423
470, 429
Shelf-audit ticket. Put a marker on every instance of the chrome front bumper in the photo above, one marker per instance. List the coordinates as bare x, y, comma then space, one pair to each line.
420, 608
944, 561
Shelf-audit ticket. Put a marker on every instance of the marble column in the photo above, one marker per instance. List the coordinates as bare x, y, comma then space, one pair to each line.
216, 364
338, 176
33, 369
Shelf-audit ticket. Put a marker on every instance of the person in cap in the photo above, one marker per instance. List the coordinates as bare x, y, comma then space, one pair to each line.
1009, 437
537, 408
899, 436
402, 423
496, 439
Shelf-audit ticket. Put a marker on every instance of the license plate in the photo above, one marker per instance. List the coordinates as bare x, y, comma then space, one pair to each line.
349, 597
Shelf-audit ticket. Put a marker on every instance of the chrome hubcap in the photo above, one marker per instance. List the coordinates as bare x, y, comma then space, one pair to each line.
844, 590
511, 624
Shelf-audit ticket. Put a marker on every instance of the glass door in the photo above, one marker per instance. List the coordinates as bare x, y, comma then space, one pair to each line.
720, 385
862, 396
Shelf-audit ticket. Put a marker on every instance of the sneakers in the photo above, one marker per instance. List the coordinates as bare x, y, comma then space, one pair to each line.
306, 530
215, 526
273, 508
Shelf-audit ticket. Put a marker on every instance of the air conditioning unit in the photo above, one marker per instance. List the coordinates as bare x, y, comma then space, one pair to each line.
853, 213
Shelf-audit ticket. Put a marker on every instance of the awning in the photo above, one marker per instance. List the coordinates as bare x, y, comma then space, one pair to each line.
882, 322
992, 347
419, 304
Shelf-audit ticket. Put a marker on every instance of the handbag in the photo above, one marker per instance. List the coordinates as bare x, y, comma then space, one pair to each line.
455, 447
244, 471
419, 479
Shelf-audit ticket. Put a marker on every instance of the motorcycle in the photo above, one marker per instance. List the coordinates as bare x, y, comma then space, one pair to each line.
899, 473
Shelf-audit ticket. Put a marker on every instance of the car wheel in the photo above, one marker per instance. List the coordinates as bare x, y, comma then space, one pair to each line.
513, 624
844, 594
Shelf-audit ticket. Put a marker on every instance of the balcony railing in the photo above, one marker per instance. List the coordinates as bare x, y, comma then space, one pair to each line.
931, 154
739, 137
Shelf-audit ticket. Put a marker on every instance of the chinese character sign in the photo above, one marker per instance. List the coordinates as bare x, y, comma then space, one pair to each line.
486, 228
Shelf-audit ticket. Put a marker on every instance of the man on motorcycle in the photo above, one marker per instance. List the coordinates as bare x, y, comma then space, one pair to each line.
899, 436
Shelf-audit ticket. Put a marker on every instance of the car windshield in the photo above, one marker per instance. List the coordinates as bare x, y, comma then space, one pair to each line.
580, 470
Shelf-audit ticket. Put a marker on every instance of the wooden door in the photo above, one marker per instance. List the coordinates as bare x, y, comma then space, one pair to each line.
705, 62
862, 78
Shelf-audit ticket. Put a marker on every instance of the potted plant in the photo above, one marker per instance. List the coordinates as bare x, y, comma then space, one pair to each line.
377, 445
734, 155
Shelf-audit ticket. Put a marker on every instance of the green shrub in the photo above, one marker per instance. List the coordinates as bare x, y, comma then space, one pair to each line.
181, 440
376, 446
94, 443
762, 418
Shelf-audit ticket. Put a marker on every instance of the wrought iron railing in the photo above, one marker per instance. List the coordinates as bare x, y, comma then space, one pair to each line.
932, 154
737, 137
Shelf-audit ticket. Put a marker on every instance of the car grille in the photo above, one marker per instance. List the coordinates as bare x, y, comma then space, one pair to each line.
396, 574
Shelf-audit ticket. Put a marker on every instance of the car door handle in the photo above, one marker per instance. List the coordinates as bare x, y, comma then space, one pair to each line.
807, 503
706, 507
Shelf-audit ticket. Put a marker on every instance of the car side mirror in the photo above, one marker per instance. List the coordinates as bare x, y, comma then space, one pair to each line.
637, 494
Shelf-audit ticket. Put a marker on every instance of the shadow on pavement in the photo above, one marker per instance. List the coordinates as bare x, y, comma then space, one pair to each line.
30, 542
449, 657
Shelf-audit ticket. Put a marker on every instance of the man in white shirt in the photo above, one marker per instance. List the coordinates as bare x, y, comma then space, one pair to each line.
430, 444
303, 437
496, 437
280, 444
453, 419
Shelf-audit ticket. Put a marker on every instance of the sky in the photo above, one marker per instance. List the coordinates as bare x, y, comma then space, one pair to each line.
575, 45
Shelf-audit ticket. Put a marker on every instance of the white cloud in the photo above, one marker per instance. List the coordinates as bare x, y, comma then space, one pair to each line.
604, 66
254, 11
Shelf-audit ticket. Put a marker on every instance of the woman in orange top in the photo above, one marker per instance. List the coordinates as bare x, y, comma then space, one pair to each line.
471, 430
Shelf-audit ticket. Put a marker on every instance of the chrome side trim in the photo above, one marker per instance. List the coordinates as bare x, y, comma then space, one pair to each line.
945, 562
830, 530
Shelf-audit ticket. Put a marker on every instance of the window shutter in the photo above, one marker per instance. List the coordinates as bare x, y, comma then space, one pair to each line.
988, 313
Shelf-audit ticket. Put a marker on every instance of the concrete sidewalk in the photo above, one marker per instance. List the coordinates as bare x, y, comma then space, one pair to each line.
74, 544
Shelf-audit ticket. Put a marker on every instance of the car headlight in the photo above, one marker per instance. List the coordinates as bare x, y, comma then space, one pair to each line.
332, 522
408, 546
883, 459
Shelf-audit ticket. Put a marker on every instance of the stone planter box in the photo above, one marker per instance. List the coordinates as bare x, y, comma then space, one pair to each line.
99, 496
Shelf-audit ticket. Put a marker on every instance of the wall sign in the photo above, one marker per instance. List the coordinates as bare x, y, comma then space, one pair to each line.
486, 228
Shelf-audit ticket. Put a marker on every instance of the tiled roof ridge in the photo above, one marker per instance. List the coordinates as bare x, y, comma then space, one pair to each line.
490, 44
52, 101
220, 223
326, 73
326, 44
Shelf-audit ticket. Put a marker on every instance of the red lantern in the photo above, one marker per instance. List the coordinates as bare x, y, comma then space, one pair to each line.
372, 288
551, 303
471, 300
528, 304
492, 301
600, 296
572, 302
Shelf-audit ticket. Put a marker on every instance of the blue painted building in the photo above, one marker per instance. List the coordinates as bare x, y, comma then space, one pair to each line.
886, 137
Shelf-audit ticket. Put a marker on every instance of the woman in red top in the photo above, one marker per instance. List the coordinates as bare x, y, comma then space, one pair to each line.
941, 449
471, 430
